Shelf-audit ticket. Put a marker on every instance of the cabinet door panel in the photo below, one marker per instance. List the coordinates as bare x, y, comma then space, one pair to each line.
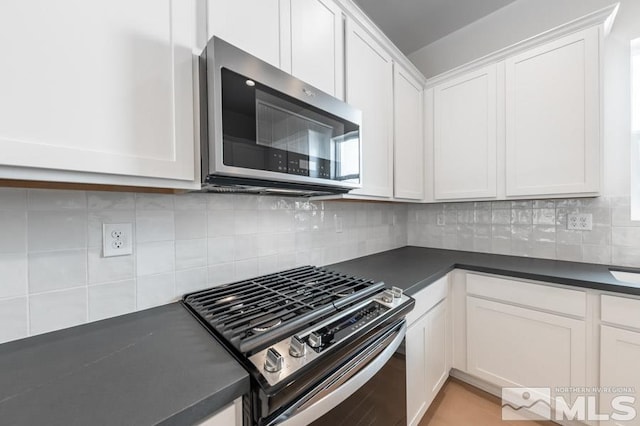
512, 346
317, 44
103, 87
251, 25
427, 360
369, 87
619, 356
553, 118
465, 136
409, 138
416, 362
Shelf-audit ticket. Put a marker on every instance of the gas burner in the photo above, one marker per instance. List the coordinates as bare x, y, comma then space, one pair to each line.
264, 326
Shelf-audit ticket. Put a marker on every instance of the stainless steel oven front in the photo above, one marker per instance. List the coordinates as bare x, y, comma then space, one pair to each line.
369, 390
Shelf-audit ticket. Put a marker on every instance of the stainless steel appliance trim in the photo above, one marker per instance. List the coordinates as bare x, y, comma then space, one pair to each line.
220, 54
343, 383
293, 364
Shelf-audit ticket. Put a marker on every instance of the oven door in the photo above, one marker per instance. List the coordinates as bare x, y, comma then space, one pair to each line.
370, 389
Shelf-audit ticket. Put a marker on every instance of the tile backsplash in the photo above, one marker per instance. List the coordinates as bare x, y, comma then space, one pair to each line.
531, 228
53, 274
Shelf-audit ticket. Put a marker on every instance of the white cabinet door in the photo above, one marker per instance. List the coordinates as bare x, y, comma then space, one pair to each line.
408, 136
104, 87
513, 346
317, 44
553, 118
252, 25
231, 415
465, 136
619, 356
427, 363
369, 82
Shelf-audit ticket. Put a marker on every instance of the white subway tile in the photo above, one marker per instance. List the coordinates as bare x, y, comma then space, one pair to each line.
13, 270
57, 310
111, 299
102, 200
57, 270
14, 319
268, 264
220, 250
245, 269
191, 254
220, 223
245, 247
155, 258
155, 290
13, 199
190, 224
625, 237
57, 230
596, 254
154, 202
191, 280
220, 201
47, 199
13, 228
221, 274
154, 225
246, 222
190, 202
107, 269
626, 256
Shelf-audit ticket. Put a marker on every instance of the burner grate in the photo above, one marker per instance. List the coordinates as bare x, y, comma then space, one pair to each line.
252, 314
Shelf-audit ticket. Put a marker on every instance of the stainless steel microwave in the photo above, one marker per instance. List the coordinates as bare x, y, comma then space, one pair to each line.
265, 131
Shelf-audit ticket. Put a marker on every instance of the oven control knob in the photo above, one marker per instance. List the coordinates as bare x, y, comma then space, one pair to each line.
397, 292
273, 362
387, 296
315, 340
297, 348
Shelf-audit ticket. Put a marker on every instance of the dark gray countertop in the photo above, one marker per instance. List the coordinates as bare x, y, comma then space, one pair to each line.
413, 268
162, 366
149, 367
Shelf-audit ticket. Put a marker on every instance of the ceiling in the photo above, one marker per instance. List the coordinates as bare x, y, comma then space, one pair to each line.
412, 24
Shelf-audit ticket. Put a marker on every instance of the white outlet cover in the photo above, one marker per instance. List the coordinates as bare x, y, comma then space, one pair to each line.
580, 221
117, 239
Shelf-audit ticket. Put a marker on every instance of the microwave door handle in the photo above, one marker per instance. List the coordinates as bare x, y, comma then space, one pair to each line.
344, 382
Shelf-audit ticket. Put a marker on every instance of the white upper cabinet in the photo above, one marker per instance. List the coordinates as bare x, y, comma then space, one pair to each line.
317, 45
301, 37
369, 82
465, 138
104, 87
251, 25
553, 117
408, 136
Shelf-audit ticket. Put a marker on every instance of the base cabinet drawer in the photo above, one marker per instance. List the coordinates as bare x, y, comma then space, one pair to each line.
512, 346
231, 415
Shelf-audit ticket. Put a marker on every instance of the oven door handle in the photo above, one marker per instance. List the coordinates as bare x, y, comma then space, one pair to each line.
344, 382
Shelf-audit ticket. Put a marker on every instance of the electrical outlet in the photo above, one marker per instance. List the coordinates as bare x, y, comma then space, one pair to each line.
440, 221
116, 239
580, 221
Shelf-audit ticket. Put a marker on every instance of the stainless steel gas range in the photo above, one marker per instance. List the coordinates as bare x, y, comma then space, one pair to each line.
311, 339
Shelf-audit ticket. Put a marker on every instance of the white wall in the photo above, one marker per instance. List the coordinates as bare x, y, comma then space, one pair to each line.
53, 275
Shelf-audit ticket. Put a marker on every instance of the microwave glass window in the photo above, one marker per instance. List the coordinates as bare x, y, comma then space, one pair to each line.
265, 129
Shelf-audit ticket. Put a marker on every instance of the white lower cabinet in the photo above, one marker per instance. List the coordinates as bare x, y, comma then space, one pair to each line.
514, 346
620, 355
427, 350
231, 415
